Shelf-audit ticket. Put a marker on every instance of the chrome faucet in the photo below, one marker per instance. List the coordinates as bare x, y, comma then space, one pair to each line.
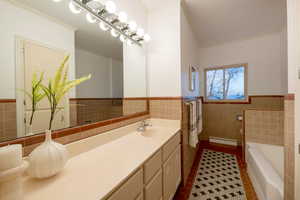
143, 125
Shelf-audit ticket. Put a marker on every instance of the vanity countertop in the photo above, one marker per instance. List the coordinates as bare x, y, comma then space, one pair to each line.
101, 163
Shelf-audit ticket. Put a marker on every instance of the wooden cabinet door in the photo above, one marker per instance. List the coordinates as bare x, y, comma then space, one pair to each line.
177, 166
153, 191
131, 189
171, 174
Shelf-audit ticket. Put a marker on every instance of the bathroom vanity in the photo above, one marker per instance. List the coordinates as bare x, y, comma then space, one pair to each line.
122, 164
105, 162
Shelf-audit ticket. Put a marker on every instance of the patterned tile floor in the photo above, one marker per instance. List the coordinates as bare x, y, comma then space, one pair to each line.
218, 178
184, 191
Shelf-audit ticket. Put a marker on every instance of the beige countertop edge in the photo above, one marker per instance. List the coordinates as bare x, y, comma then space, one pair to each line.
87, 176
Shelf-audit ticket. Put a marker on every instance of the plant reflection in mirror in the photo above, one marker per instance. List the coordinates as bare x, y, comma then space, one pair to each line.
58, 87
36, 95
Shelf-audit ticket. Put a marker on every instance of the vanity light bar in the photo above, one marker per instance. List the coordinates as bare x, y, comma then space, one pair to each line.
99, 15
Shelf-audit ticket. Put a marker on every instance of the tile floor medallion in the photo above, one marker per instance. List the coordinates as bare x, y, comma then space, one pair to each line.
218, 178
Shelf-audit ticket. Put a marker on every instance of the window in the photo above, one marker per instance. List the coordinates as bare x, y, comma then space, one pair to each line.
226, 83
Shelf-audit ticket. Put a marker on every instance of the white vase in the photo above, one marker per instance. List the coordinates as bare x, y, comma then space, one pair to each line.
48, 159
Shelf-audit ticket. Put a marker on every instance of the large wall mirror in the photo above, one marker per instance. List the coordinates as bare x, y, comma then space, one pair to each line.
35, 38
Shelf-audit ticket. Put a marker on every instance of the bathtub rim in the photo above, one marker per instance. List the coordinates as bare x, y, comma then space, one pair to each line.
271, 175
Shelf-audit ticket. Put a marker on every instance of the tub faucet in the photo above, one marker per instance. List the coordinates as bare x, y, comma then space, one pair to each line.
143, 125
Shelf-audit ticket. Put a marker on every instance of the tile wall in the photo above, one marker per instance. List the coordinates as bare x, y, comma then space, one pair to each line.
8, 122
166, 108
289, 151
90, 111
73, 113
134, 106
264, 127
225, 116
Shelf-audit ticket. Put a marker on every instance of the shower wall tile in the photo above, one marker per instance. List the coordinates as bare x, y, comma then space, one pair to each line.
264, 127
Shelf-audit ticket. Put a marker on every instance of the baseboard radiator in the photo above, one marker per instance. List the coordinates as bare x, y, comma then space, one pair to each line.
225, 141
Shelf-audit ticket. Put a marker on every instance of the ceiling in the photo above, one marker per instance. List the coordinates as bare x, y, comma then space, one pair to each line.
87, 36
213, 21
219, 21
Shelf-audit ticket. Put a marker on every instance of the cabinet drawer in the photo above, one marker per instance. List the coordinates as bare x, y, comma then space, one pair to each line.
131, 189
153, 191
152, 166
171, 146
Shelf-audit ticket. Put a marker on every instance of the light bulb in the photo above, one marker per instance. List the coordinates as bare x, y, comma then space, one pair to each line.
110, 7
122, 17
129, 43
103, 26
147, 38
132, 26
91, 19
140, 32
56, 0
114, 33
123, 38
74, 8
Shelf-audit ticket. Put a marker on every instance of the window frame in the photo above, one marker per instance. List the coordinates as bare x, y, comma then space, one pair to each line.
223, 67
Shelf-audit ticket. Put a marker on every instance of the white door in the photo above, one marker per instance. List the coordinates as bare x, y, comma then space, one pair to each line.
37, 58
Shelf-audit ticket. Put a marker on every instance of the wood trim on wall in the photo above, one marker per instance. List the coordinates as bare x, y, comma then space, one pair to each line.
224, 102
290, 97
190, 98
244, 102
78, 99
7, 100
254, 109
165, 98
266, 96
126, 98
135, 98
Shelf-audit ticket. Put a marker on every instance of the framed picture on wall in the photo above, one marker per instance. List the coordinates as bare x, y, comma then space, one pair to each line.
192, 78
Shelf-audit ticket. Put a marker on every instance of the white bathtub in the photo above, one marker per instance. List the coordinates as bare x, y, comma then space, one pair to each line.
265, 168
